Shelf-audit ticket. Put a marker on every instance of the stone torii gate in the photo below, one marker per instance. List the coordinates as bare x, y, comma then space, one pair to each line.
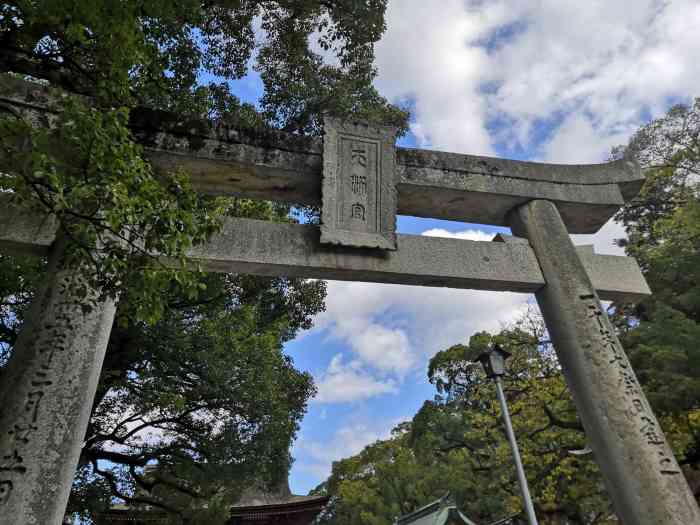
362, 181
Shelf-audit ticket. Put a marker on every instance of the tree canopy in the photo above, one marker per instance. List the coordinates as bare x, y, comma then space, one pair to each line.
660, 334
195, 381
205, 393
313, 56
457, 443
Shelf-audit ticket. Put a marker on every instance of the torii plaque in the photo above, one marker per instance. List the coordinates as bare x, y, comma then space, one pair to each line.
543, 204
359, 192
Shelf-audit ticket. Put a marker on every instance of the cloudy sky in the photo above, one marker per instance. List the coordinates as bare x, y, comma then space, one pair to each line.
550, 80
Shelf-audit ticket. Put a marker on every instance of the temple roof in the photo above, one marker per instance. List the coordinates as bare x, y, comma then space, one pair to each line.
445, 512
440, 512
266, 503
267, 500
256, 503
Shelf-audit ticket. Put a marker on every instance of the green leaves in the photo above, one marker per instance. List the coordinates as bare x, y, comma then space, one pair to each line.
154, 53
663, 224
201, 351
457, 443
88, 171
216, 400
115, 211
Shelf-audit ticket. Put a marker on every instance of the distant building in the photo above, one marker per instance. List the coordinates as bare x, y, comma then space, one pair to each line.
256, 506
121, 514
445, 512
277, 509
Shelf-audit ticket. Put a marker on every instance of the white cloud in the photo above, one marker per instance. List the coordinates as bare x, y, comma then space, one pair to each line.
392, 330
387, 349
424, 58
351, 316
604, 241
562, 80
431, 318
578, 141
345, 382
469, 235
347, 441
607, 64
586, 72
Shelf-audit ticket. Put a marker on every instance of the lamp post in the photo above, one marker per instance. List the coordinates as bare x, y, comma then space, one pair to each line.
494, 363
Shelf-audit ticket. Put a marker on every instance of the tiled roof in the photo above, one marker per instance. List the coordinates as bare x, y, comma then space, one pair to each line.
277, 504
264, 499
439, 512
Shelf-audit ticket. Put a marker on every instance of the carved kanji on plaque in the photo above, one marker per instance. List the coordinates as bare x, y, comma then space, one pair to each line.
359, 193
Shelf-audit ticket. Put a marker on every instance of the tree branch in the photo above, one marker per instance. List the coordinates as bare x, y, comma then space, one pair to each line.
573, 425
112, 481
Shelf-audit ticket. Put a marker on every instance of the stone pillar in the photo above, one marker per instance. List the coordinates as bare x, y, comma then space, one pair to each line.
46, 395
641, 474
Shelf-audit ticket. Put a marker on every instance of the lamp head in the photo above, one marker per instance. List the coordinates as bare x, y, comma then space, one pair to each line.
494, 361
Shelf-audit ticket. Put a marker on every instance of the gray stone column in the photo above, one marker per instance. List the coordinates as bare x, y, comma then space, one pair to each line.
46, 395
641, 474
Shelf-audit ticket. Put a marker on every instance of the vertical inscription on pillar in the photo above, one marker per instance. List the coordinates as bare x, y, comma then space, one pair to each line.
359, 194
637, 406
54, 340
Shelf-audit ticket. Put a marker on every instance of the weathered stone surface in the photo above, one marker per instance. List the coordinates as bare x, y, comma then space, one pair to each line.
24, 232
267, 164
263, 248
615, 278
359, 191
483, 190
641, 474
258, 247
47, 391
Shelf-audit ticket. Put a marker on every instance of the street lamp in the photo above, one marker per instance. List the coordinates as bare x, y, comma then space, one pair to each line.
494, 363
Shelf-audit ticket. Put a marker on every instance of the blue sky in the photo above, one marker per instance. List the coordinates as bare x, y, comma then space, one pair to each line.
553, 80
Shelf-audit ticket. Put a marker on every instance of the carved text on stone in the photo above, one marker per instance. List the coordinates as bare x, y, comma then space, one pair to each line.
359, 199
638, 408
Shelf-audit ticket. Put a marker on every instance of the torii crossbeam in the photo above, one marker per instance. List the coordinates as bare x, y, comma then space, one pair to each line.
50, 382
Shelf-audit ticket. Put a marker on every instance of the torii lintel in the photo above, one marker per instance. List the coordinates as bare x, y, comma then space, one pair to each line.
273, 165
